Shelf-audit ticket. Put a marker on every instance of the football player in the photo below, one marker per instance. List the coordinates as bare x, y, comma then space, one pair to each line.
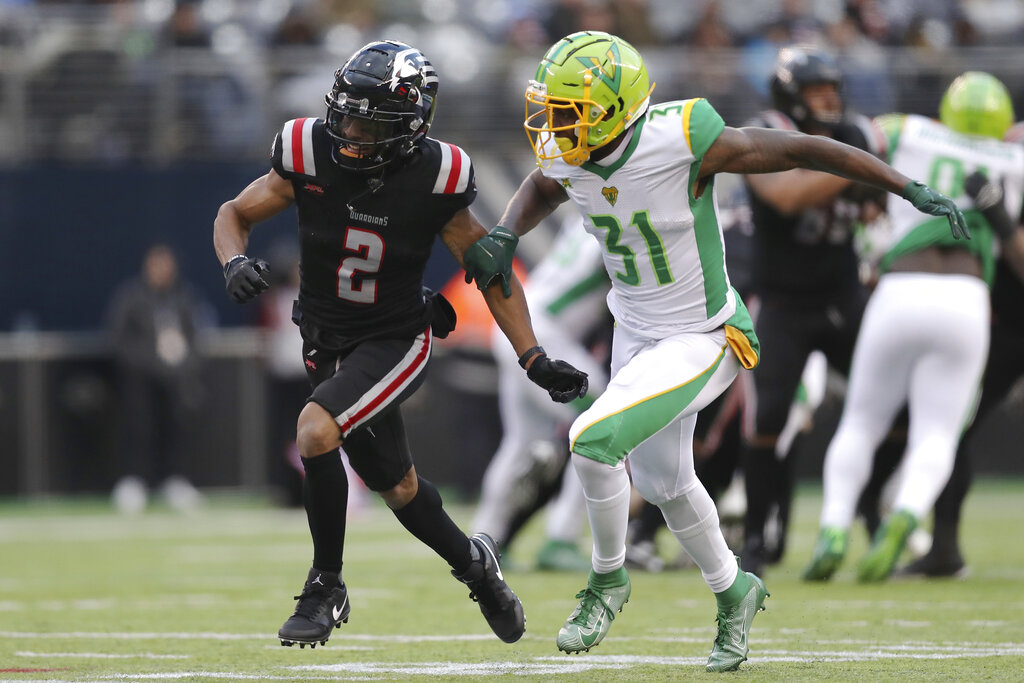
805, 277
372, 193
1004, 367
642, 175
925, 334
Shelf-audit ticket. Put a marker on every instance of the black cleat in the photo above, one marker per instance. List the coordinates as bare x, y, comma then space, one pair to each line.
323, 606
499, 605
936, 566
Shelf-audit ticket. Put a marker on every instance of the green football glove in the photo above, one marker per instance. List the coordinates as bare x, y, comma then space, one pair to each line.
491, 257
934, 203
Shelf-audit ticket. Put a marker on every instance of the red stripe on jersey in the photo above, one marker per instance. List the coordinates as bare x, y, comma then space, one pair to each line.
453, 174
390, 390
297, 163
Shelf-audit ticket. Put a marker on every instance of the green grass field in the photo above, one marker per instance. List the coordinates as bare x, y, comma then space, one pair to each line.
86, 595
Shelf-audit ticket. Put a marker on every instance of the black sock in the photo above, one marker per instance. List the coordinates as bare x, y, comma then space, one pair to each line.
647, 524
546, 491
946, 531
325, 496
425, 519
760, 474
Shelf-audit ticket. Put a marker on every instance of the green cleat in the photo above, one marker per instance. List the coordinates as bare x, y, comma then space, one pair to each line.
590, 621
886, 548
828, 554
734, 622
561, 556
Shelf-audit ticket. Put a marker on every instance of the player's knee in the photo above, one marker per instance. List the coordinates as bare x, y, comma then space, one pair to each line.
316, 432
398, 496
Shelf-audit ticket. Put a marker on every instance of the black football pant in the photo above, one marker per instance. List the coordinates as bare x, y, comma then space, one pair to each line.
1004, 367
788, 331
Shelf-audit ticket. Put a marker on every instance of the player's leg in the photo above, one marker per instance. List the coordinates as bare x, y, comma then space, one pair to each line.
663, 473
507, 485
1004, 368
783, 333
951, 319
563, 528
877, 388
350, 392
649, 392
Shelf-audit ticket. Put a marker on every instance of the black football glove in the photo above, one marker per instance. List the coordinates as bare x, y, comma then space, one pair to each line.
985, 194
244, 278
927, 200
491, 257
988, 199
562, 381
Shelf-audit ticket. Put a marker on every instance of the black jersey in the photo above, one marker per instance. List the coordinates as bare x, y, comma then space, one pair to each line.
810, 255
365, 241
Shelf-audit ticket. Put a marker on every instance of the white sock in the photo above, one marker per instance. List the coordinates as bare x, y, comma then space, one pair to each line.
693, 520
606, 490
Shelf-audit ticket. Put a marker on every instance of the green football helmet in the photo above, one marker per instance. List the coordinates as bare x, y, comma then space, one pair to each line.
977, 103
589, 87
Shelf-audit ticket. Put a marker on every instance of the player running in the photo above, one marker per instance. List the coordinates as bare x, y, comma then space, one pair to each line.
642, 175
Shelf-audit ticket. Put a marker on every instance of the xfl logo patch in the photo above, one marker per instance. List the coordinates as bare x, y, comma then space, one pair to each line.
611, 194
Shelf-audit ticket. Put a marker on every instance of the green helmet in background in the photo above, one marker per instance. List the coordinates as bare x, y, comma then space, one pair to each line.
589, 87
977, 103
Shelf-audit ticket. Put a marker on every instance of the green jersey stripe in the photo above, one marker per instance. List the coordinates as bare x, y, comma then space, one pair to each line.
597, 280
710, 247
935, 233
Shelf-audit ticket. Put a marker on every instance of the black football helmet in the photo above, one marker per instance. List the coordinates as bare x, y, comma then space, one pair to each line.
381, 104
796, 68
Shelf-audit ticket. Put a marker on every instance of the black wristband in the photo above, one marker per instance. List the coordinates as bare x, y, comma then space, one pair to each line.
227, 264
528, 354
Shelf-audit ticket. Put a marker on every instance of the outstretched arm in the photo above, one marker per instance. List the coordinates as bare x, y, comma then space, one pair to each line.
762, 150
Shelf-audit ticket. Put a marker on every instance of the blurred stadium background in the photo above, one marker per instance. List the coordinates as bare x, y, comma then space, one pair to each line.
125, 123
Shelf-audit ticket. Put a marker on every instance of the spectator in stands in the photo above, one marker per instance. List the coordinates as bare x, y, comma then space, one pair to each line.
153, 323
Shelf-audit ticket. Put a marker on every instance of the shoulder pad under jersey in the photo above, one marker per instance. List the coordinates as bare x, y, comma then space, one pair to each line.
454, 173
301, 148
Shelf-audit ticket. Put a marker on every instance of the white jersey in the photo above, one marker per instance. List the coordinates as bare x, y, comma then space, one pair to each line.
570, 285
663, 248
924, 149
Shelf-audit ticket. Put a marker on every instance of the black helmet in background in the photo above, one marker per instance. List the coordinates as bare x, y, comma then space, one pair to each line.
795, 69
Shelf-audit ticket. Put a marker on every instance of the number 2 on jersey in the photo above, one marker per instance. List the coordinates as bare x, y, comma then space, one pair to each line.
655, 247
369, 248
